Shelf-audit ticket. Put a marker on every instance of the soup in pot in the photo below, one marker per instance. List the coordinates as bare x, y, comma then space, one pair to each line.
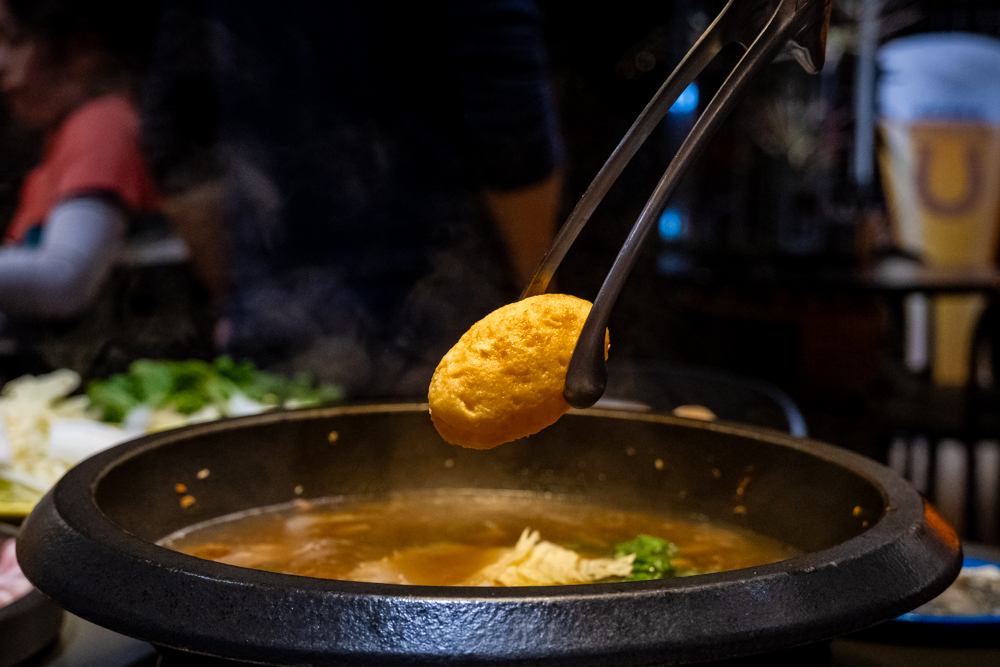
472, 538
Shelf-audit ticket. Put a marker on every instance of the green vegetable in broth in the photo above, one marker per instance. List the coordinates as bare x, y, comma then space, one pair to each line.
652, 557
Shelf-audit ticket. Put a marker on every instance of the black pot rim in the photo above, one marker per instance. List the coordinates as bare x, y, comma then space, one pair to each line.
907, 527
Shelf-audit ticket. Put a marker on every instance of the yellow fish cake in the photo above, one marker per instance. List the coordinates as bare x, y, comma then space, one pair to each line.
504, 378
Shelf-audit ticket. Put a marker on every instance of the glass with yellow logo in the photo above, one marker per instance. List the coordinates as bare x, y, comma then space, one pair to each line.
941, 177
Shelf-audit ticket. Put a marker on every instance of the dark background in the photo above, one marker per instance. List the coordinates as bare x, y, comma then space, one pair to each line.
764, 280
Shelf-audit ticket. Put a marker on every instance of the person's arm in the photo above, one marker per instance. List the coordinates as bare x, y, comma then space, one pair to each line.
197, 217
62, 276
526, 220
507, 121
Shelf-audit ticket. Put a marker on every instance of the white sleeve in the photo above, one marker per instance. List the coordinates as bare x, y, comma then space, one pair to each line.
62, 276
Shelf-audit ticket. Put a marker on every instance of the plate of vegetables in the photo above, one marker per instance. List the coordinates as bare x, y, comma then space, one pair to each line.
49, 423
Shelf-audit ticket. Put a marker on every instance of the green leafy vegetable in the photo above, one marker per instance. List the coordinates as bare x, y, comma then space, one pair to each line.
652, 557
190, 386
115, 397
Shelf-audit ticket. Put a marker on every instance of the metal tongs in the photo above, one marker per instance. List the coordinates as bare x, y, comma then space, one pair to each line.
765, 28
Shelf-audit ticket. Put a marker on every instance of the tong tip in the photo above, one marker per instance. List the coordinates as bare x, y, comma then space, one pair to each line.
584, 389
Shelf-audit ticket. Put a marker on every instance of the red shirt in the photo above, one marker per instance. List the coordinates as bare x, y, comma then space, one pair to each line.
96, 149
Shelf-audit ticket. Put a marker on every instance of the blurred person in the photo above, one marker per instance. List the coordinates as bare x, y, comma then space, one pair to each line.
359, 181
67, 70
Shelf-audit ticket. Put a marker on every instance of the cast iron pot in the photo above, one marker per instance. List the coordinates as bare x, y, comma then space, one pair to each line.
873, 548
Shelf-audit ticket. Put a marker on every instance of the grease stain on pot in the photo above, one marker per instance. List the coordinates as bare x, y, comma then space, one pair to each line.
741, 489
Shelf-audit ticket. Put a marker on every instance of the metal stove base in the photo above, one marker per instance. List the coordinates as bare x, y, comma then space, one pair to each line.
813, 655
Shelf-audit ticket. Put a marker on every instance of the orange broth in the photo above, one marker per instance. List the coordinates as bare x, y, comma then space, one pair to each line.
441, 539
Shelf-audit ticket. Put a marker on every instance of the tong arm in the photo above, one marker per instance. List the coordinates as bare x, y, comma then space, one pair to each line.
587, 373
718, 35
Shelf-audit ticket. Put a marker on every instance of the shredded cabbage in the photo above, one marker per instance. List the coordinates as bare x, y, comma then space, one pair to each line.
44, 430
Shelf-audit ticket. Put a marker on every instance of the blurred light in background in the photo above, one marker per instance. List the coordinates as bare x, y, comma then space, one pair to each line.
687, 102
672, 263
671, 225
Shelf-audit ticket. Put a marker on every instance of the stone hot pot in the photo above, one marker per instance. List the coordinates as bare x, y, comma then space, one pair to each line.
873, 548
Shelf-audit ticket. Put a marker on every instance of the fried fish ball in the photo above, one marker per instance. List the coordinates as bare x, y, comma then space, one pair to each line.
504, 378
